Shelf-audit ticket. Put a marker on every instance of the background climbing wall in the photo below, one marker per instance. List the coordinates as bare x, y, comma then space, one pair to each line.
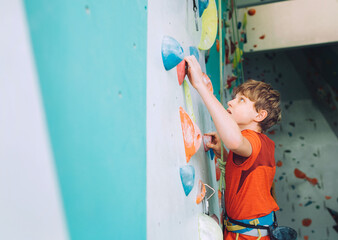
305, 143
245, 3
288, 24
170, 214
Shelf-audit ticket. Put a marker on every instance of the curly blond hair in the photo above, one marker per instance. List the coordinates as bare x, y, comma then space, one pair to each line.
265, 98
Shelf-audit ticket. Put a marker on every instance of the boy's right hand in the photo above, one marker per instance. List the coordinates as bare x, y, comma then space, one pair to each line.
194, 72
215, 144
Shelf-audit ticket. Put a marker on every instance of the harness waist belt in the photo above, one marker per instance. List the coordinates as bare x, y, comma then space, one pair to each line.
262, 224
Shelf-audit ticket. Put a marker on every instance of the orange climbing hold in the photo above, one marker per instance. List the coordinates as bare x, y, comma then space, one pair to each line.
328, 197
217, 45
200, 192
191, 135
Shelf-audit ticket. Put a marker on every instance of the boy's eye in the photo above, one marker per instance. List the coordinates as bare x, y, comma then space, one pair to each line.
242, 99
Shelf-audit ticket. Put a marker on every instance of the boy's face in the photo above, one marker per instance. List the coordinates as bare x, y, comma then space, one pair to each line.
242, 110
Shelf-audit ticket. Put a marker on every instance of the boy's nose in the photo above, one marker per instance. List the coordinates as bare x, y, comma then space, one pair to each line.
230, 103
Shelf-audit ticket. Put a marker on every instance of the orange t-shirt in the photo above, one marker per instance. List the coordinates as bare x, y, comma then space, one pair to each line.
248, 185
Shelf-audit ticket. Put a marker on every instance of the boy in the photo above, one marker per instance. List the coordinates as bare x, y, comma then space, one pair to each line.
250, 167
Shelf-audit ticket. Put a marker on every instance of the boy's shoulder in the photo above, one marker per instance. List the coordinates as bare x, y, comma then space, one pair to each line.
257, 138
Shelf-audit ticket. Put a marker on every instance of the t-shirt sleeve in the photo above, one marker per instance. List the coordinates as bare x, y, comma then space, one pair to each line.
255, 142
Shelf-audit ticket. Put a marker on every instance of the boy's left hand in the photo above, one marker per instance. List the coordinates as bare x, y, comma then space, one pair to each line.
194, 72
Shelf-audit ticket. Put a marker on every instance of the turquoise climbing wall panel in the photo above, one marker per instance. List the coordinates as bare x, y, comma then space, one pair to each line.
91, 62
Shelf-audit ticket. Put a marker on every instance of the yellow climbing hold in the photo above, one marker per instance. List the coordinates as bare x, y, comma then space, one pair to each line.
237, 57
209, 26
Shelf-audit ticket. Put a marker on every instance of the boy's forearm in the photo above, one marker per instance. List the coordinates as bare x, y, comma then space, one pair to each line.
225, 154
226, 127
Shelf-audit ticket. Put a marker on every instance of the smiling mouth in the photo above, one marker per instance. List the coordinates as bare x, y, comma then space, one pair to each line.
228, 111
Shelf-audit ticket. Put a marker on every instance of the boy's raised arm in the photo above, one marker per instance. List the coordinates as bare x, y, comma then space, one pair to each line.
227, 128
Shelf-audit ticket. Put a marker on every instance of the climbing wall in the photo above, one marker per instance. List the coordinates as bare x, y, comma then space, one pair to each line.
318, 68
288, 24
170, 213
306, 150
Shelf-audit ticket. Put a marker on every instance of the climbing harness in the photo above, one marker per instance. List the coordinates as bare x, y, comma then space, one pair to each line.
260, 227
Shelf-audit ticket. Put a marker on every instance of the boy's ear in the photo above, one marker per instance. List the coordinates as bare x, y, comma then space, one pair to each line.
261, 115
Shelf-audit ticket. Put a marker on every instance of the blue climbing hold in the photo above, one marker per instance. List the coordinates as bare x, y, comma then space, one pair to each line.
194, 51
202, 5
172, 52
188, 178
212, 154
239, 25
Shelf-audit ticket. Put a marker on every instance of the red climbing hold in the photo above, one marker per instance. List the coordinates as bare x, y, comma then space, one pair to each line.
279, 163
313, 181
227, 60
262, 37
232, 47
306, 222
251, 11
181, 71
218, 170
299, 173
230, 79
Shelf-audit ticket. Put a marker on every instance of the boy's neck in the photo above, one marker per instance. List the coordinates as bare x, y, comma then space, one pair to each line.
253, 127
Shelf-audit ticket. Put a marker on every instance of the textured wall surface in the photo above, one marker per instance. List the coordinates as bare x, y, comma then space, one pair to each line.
91, 64
170, 214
